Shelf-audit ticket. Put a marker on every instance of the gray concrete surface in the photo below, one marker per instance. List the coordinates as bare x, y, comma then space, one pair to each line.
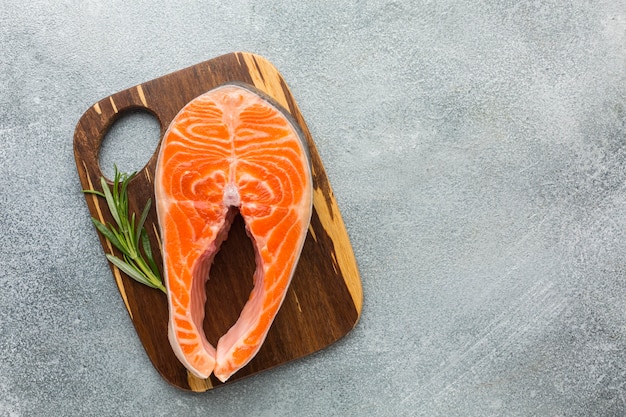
477, 151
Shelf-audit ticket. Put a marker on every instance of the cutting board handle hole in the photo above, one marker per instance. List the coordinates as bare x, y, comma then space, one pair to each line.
130, 142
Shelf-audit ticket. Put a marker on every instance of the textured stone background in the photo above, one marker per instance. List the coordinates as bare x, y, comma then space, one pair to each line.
476, 149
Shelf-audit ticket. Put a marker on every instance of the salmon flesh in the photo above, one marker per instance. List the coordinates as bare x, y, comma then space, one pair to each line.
228, 150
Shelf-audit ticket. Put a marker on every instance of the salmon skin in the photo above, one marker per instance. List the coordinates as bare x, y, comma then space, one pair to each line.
230, 149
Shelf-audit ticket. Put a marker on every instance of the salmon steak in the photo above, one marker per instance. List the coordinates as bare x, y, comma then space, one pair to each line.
229, 150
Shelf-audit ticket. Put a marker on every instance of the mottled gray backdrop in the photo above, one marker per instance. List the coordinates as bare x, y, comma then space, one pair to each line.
477, 151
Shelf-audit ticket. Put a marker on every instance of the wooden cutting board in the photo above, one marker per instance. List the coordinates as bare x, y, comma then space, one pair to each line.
325, 297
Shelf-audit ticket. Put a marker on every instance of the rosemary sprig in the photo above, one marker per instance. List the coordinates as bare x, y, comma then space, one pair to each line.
129, 237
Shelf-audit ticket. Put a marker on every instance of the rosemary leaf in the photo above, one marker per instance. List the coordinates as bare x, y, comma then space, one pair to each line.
107, 233
142, 220
111, 200
98, 193
145, 243
129, 270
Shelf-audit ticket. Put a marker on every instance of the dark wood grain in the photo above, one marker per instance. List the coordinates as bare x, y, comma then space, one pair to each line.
324, 300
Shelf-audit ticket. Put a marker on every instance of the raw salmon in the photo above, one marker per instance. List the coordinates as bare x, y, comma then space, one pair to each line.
229, 149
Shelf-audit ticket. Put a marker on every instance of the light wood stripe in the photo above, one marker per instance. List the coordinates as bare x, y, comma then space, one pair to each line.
113, 104
156, 234
312, 232
198, 384
97, 108
120, 284
295, 296
142, 97
334, 226
93, 196
265, 77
